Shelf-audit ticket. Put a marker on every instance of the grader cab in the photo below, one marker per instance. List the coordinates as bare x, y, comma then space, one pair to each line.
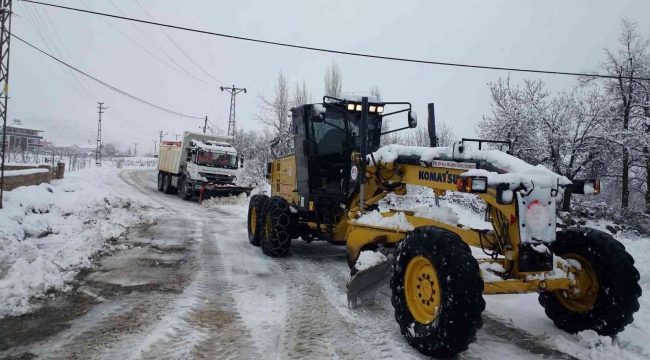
330, 190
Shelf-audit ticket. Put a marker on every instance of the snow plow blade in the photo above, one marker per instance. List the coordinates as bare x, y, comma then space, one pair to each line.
365, 284
210, 191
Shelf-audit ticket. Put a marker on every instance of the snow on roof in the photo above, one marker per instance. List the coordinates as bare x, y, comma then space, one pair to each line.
518, 170
215, 148
16, 126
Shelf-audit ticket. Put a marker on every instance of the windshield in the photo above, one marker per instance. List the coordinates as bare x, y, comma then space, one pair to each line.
207, 158
330, 135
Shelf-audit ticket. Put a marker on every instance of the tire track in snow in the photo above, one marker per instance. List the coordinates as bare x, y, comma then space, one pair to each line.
208, 326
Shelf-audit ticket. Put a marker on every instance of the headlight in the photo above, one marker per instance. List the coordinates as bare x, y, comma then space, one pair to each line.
204, 179
380, 109
372, 108
351, 107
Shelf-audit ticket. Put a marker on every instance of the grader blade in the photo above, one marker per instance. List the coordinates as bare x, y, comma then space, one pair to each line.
365, 284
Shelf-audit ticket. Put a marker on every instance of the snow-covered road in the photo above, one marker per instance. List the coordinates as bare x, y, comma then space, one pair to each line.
192, 286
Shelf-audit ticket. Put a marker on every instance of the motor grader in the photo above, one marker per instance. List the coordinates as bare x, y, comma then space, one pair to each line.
335, 180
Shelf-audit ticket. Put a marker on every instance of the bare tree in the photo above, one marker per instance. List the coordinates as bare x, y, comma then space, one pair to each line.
333, 80
300, 94
275, 113
109, 149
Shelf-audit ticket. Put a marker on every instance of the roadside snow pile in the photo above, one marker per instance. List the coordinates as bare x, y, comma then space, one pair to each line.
26, 172
368, 259
594, 347
49, 232
375, 218
216, 202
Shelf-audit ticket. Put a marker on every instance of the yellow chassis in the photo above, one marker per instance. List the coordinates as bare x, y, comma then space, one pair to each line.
357, 236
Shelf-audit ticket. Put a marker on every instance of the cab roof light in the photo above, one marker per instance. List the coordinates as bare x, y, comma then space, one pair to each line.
358, 108
380, 109
351, 107
372, 108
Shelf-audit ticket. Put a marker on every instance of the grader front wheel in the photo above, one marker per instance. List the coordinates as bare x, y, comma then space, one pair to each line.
608, 287
437, 292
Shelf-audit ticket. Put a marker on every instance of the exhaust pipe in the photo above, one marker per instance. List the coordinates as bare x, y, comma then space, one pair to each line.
433, 140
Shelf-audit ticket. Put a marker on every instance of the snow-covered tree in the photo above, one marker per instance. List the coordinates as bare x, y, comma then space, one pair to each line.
627, 131
333, 80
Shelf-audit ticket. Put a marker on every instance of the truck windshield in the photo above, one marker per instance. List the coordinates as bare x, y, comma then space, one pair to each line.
208, 158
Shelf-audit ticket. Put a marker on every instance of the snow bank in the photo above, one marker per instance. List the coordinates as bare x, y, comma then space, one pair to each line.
368, 259
26, 172
49, 232
397, 221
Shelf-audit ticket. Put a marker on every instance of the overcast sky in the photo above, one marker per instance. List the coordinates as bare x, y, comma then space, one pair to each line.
553, 35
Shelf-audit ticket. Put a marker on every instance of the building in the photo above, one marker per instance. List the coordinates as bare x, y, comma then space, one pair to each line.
20, 137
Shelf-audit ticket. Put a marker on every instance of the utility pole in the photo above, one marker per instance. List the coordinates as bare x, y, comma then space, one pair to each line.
5, 31
135, 151
154, 147
176, 136
231, 120
161, 136
205, 124
98, 153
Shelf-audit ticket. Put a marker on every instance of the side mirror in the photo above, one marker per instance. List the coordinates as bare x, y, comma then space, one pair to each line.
318, 118
241, 161
413, 119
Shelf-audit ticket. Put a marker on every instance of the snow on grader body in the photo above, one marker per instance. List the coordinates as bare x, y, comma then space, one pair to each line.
329, 190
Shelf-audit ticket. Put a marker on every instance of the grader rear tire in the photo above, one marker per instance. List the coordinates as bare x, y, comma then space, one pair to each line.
255, 219
276, 240
611, 299
437, 292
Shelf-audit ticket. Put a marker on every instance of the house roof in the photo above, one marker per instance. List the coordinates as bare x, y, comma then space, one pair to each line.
21, 127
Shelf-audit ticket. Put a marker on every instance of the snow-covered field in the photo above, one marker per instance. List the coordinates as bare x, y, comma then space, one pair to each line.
49, 232
238, 302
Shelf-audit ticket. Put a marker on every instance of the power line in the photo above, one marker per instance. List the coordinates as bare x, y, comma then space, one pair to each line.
156, 45
178, 46
31, 18
340, 52
136, 43
107, 85
56, 33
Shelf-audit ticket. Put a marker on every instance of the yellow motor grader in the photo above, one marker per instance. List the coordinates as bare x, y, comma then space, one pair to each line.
330, 190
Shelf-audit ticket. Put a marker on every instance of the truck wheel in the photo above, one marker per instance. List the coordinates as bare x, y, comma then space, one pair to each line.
161, 177
437, 292
255, 220
276, 239
184, 192
167, 186
609, 299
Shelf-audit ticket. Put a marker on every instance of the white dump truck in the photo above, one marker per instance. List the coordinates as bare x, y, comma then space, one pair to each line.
200, 165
